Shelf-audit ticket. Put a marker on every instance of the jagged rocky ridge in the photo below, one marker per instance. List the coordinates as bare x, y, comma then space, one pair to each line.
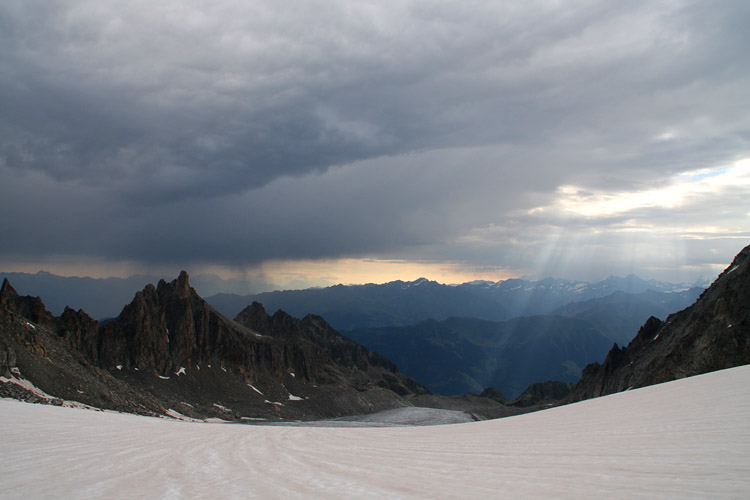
169, 351
40, 360
712, 334
356, 363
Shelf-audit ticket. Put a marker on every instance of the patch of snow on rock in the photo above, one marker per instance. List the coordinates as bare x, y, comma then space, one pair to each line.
255, 389
179, 416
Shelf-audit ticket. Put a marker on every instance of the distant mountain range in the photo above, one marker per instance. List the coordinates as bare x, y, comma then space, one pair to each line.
619, 315
170, 353
509, 334
399, 303
454, 339
460, 355
346, 307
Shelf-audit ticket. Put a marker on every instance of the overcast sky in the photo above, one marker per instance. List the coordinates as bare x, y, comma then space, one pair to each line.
303, 143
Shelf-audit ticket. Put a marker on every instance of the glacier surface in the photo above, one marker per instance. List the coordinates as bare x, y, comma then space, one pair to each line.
684, 439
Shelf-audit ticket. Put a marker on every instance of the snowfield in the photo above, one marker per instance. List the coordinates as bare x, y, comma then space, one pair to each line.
681, 440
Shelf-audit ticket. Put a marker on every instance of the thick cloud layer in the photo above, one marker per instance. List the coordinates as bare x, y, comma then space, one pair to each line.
237, 132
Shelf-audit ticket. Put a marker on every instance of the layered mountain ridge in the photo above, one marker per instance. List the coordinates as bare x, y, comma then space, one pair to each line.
400, 303
169, 351
460, 355
345, 307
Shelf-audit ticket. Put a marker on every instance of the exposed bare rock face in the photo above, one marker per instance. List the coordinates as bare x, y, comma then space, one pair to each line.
170, 352
712, 334
343, 358
543, 393
28, 307
38, 362
169, 326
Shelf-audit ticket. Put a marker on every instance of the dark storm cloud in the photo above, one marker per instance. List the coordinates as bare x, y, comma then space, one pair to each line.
354, 210
236, 132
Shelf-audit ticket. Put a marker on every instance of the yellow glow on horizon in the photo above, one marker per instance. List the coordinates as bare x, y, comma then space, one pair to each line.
359, 271
289, 274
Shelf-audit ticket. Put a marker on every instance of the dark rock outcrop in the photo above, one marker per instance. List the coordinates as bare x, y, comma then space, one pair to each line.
30, 308
39, 365
494, 394
169, 350
169, 327
712, 334
344, 359
543, 393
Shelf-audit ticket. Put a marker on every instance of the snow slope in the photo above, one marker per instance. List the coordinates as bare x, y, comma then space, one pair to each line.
684, 439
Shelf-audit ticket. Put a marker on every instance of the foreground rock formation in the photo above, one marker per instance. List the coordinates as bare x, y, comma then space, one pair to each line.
169, 352
712, 334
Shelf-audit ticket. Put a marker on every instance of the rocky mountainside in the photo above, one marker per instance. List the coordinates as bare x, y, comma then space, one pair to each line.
39, 360
712, 334
543, 393
355, 363
169, 352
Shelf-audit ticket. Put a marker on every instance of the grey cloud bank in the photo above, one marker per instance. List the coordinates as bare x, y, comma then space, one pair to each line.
237, 132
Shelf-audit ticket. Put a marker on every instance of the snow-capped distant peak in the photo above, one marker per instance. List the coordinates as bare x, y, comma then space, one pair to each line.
417, 282
480, 283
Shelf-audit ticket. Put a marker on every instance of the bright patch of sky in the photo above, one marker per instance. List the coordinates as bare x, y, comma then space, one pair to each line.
696, 187
303, 274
